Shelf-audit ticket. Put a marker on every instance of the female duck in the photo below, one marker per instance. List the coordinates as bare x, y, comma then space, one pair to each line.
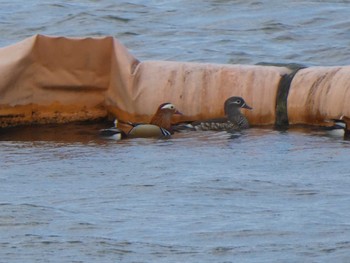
233, 120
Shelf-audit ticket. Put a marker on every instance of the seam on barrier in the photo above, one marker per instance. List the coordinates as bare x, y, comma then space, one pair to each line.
79, 88
135, 66
281, 120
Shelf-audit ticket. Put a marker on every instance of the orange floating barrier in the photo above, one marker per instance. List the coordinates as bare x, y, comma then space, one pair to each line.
57, 79
319, 93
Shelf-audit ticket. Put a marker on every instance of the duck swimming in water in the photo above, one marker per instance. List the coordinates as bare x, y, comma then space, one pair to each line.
113, 132
159, 126
234, 120
340, 127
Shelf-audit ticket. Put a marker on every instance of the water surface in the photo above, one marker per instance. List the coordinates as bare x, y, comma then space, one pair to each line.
257, 196
67, 195
215, 31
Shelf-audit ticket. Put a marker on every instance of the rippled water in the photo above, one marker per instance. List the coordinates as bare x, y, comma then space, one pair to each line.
264, 195
257, 196
217, 31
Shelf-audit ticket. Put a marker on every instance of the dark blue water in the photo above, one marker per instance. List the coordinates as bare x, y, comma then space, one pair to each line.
66, 195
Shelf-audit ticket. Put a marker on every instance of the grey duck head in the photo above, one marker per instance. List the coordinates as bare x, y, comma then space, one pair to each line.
233, 104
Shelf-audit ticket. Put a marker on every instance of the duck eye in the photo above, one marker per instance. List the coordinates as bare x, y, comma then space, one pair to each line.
168, 106
238, 101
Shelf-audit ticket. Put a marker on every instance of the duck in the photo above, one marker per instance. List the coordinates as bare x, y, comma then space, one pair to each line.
340, 127
113, 132
160, 125
234, 120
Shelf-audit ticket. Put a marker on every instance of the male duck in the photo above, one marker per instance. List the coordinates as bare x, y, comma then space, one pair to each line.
159, 126
233, 120
340, 127
113, 132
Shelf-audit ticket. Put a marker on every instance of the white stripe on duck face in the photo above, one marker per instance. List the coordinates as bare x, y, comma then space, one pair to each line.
168, 106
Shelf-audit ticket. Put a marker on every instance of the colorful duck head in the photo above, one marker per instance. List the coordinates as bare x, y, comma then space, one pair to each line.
163, 115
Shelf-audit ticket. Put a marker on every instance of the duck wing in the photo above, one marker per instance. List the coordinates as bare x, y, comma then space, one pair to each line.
219, 124
215, 120
148, 131
216, 124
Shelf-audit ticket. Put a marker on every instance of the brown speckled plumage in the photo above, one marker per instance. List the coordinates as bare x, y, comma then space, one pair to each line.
234, 119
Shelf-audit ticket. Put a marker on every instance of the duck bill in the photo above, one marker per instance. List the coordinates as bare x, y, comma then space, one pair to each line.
246, 106
178, 113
